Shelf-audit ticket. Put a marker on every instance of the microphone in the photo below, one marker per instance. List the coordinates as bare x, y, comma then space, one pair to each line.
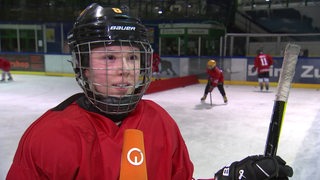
133, 159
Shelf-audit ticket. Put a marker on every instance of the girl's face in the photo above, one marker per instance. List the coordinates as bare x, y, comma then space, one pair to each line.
114, 70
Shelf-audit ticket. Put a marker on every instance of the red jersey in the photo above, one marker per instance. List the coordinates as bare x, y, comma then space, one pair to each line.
5, 65
155, 62
262, 62
77, 144
215, 75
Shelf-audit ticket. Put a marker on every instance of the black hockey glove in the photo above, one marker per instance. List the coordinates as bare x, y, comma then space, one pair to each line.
253, 69
256, 168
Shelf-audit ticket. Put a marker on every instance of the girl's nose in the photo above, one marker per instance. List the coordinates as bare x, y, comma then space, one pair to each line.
125, 69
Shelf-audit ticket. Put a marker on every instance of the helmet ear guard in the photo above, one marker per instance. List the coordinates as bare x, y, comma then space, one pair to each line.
96, 27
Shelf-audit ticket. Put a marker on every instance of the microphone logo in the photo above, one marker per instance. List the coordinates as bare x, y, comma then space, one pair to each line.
135, 156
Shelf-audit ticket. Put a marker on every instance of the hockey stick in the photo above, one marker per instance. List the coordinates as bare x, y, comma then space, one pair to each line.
288, 69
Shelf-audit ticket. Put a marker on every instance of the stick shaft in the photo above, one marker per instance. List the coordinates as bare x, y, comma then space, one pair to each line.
275, 128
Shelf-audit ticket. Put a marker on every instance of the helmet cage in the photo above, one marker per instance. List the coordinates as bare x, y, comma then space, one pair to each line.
104, 101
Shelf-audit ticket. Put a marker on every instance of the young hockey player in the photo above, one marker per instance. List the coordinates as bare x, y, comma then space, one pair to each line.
82, 138
262, 63
156, 60
5, 67
215, 79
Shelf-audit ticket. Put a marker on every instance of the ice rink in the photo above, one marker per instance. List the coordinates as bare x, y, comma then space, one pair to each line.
215, 135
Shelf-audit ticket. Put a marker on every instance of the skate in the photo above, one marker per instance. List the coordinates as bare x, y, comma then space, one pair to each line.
10, 79
2, 80
204, 97
225, 99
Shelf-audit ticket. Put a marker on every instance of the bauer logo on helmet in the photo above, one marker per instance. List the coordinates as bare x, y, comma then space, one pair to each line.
123, 28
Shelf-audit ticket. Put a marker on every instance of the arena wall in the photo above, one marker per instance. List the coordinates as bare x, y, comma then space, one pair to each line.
237, 70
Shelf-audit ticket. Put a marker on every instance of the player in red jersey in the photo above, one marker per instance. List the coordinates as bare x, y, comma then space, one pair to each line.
5, 67
262, 63
155, 65
215, 79
83, 137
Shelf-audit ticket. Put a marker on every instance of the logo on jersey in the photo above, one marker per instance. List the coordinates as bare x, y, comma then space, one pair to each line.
135, 156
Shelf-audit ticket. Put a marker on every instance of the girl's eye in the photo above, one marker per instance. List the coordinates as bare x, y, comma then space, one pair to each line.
133, 57
110, 57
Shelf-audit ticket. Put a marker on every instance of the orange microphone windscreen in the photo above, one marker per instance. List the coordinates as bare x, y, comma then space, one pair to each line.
133, 159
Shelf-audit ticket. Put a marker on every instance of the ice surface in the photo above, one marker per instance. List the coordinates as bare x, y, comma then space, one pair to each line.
215, 135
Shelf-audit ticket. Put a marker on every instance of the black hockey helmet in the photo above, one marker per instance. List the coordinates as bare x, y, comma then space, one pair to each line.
259, 51
99, 23
99, 26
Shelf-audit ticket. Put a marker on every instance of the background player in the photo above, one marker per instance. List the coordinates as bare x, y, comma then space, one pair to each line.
262, 63
5, 66
156, 60
215, 79
82, 137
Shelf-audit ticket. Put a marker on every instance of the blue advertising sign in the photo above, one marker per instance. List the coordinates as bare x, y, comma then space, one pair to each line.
307, 70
